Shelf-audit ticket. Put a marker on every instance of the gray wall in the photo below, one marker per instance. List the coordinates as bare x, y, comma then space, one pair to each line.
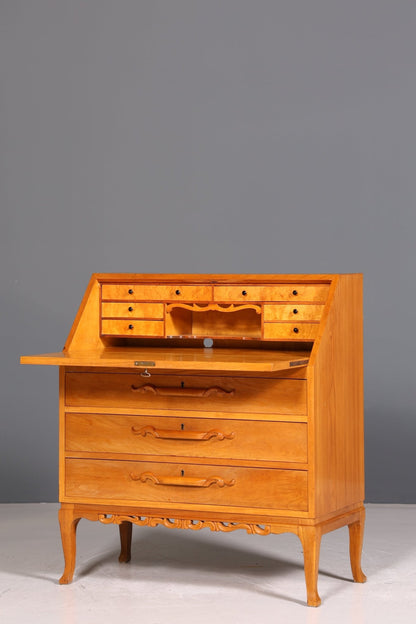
205, 136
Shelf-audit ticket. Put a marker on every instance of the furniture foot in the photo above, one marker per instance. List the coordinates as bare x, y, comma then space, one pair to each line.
356, 530
310, 537
68, 524
125, 541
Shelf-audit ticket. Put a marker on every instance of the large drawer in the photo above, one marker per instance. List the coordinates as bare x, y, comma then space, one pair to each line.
272, 292
156, 292
187, 437
185, 483
192, 392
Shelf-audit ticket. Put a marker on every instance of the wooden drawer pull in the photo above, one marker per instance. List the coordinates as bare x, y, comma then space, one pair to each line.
182, 481
171, 434
187, 392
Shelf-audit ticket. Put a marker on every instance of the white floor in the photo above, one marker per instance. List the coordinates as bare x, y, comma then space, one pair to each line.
178, 576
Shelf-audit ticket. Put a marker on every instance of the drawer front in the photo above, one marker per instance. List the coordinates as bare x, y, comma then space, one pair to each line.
187, 437
186, 483
277, 292
292, 331
156, 292
114, 327
225, 394
112, 309
295, 313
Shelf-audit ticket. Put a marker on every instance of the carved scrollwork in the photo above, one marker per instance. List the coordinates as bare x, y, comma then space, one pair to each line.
217, 307
185, 523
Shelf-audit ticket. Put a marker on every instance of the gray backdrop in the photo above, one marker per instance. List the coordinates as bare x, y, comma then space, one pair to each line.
205, 136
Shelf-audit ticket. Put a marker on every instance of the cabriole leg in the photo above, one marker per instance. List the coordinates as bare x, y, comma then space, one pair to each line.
68, 524
311, 541
125, 541
356, 530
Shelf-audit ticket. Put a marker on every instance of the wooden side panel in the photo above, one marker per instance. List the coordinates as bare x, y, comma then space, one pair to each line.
61, 432
338, 402
85, 332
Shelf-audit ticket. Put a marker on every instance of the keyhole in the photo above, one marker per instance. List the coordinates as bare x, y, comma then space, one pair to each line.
182, 426
182, 473
182, 384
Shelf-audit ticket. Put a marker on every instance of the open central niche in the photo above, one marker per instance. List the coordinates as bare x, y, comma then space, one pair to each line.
214, 320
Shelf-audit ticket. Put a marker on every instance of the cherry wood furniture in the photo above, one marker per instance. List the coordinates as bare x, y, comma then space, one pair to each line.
262, 431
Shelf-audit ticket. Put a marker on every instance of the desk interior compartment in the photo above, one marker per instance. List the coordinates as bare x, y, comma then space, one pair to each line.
214, 320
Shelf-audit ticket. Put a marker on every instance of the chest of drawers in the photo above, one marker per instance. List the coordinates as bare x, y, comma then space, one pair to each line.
262, 430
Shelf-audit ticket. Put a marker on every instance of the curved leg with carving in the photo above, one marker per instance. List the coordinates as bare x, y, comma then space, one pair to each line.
125, 541
356, 530
68, 524
310, 537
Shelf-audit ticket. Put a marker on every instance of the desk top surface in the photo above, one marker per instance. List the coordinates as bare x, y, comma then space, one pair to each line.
203, 359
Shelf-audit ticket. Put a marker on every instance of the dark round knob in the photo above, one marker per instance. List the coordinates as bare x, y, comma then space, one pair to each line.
294, 292
130, 291
295, 311
296, 330
177, 292
131, 326
244, 292
130, 309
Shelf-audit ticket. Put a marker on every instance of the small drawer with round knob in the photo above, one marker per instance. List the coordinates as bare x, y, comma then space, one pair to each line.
115, 309
122, 327
290, 331
292, 312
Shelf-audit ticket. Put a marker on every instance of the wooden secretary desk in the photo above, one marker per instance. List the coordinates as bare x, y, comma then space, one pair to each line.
262, 430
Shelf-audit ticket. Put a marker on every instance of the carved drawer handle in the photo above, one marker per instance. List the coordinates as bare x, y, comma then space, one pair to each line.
171, 434
182, 392
182, 481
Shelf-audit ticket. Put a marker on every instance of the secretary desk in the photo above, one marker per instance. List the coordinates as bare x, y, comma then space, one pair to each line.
220, 401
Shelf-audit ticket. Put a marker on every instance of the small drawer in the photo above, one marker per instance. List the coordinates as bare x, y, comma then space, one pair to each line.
187, 437
112, 309
156, 292
290, 331
293, 312
113, 327
274, 292
188, 392
152, 482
